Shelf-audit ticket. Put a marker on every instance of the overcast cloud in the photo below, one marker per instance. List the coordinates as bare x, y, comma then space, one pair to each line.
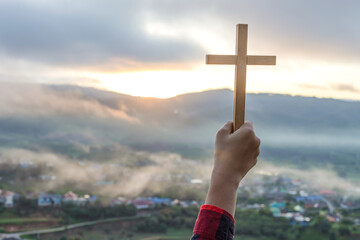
104, 32
72, 42
83, 33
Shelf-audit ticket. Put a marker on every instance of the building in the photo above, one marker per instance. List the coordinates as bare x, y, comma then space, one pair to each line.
310, 199
142, 203
70, 197
45, 200
7, 198
118, 201
161, 201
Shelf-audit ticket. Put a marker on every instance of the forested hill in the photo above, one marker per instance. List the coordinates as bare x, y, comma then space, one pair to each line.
67, 118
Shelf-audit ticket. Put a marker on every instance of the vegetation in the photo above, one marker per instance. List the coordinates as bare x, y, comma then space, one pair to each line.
75, 213
174, 217
175, 223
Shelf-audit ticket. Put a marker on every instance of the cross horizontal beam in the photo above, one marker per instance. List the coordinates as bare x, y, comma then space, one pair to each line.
232, 60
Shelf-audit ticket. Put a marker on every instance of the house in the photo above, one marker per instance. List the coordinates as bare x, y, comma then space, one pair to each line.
2, 198
161, 201
90, 198
326, 192
118, 201
70, 197
45, 200
196, 181
280, 205
357, 222
7, 198
276, 208
275, 211
348, 205
256, 206
175, 202
142, 203
310, 199
298, 208
189, 203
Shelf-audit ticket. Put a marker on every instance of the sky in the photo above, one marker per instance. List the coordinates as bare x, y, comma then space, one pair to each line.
157, 48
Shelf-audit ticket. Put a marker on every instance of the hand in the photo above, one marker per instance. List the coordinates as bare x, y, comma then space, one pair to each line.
235, 154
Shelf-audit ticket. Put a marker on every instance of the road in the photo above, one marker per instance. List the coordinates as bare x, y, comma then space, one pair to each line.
330, 206
71, 226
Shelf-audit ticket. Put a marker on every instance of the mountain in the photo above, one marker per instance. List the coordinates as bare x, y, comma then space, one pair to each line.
81, 122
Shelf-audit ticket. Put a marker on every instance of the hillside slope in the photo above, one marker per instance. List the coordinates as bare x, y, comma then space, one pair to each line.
69, 119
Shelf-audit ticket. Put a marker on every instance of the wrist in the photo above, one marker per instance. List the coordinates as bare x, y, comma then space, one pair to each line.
224, 178
222, 193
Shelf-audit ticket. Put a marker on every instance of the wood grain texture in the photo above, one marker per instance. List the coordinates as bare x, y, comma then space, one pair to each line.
261, 60
232, 60
240, 60
240, 75
221, 59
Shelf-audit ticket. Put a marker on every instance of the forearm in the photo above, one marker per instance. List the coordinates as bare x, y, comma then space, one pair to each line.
235, 154
222, 192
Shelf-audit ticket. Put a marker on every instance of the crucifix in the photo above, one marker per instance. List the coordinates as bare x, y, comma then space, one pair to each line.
240, 60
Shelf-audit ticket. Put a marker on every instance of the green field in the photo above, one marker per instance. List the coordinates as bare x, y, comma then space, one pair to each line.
19, 221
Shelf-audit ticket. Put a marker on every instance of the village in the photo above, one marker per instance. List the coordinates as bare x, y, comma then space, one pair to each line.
285, 197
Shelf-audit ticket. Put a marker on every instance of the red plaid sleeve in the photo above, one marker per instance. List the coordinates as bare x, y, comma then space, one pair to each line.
213, 223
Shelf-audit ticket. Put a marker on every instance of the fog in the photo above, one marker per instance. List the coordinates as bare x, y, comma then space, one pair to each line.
35, 100
134, 173
109, 144
129, 174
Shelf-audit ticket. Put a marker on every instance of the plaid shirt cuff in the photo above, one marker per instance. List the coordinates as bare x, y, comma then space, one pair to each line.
213, 223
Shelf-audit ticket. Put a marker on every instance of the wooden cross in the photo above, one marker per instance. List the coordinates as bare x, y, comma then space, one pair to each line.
240, 59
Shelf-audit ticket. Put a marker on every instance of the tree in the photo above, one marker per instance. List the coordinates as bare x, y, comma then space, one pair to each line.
344, 231
323, 225
332, 236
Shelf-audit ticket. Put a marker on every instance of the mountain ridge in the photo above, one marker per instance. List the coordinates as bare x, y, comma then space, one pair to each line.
68, 119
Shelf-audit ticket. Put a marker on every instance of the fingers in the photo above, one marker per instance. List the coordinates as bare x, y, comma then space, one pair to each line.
257, 152
246, 130
226, 129
229, 126
248, 124
257, 142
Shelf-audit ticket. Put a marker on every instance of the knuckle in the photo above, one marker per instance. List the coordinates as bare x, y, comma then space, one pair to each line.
257, 142
257, 152
254, 162
248, 132
221, 132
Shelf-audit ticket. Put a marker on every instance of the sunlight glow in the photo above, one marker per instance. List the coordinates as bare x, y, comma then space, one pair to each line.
290, 76
302, 78
207, 40
165, 84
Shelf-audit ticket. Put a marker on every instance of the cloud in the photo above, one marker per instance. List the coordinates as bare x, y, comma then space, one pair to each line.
113, 34
84, 33
317, 178
156, 173
340, 87
311, 86
38, 100
323, 30
110, 177
346, 88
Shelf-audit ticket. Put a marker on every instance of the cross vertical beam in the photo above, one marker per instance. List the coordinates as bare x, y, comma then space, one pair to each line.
240, 60
240, 75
